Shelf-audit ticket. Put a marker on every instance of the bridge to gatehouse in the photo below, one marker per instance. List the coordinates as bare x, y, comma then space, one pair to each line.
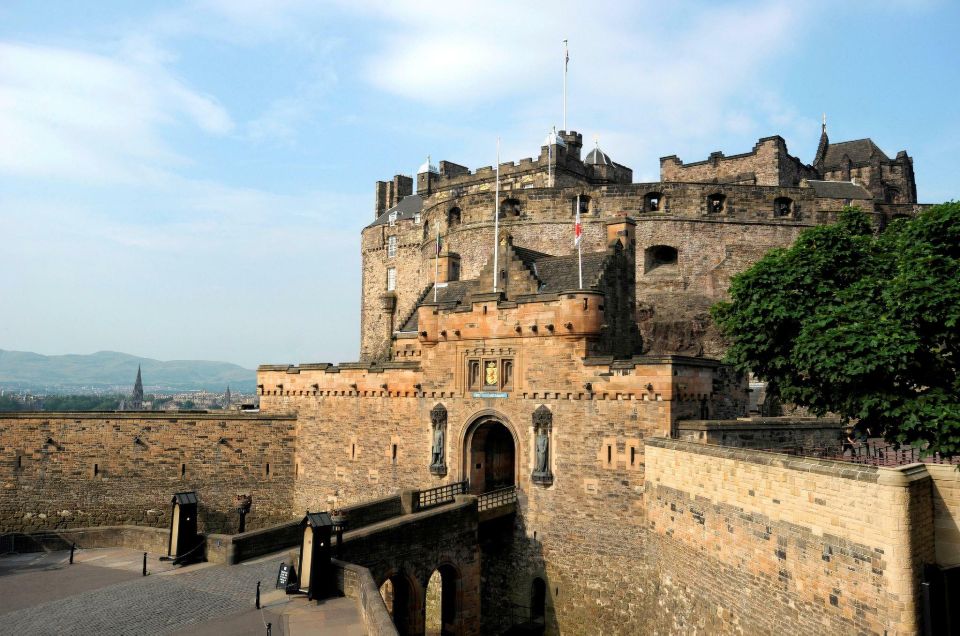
405, 540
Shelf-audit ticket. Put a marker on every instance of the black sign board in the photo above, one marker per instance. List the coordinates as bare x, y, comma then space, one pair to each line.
286, 575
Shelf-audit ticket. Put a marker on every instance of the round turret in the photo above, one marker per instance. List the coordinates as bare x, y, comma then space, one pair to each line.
597, 157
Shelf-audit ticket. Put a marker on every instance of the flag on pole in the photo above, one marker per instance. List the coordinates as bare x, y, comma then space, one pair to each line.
577, 227
566, 56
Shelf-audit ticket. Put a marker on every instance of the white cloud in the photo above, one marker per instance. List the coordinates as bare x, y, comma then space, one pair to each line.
87, 117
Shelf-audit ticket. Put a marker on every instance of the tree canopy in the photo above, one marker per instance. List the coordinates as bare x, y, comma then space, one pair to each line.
859, 323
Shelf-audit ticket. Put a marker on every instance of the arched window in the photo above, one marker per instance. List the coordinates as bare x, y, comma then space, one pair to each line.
716, 203
453, 216
782, 206
509, 207
652, 202
891, 195
660, 258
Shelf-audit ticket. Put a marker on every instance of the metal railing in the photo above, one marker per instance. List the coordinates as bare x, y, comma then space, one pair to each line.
496, 498
440, 495
868, 454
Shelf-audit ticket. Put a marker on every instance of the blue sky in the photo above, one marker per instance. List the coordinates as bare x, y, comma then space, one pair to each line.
189, 179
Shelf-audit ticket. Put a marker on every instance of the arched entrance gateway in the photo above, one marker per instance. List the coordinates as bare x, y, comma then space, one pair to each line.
490, 456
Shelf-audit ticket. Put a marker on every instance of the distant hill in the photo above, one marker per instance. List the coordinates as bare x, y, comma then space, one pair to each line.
109, 370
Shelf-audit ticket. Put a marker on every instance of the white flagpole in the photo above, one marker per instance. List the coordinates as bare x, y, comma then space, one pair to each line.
566, 60
579, 242
436, 268
496, 225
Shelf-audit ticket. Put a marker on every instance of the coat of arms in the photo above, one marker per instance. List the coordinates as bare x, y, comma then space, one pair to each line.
490, 375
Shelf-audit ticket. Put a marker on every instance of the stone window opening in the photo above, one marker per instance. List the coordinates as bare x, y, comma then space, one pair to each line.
391, 246
416, 218
394, 454
392, 219
510, 207
609, 454
716, 203
391, 278
266, 470
506, 374
183, 470
538, 601
454, 216
782, 206
660, 258
455, 272
353, 451
633, 455
652, 202
891, 195
96, 470
19, 461
584, 204
473, 374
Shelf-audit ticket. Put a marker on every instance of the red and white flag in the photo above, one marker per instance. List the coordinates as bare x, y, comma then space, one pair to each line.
577, 227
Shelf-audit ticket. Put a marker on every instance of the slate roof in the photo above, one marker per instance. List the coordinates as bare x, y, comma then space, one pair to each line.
839, 190
555, 273
559, 273
859, 151
406, 209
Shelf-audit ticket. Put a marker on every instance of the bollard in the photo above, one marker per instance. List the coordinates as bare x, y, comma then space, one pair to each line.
73, 546
258, 594
144, 563
269, 629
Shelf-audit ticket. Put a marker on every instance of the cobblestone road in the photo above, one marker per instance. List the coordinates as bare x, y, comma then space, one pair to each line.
157, 604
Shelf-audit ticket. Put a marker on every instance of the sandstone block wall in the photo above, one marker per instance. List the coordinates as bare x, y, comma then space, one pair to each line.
62, 470
946, 513
771, 544
765, 433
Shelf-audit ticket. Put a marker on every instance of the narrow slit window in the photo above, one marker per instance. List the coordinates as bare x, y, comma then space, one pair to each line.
353, 451
96, 470
609, 454
633, 455
394, 457
266, 469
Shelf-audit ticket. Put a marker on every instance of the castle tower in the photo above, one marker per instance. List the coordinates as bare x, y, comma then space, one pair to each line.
136, 400
227, 398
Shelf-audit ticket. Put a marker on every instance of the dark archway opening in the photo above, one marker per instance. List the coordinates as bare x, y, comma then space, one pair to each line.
401, 600
492, 458
538, 601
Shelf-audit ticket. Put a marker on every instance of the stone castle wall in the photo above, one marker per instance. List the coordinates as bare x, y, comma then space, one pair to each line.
123, 468
769, 543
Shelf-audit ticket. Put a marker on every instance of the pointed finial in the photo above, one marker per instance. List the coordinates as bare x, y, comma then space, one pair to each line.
596, 141
824, 122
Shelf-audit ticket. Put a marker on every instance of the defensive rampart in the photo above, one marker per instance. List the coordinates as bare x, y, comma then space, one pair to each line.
63, 470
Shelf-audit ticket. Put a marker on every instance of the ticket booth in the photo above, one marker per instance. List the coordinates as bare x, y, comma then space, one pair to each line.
316, 573
183, 524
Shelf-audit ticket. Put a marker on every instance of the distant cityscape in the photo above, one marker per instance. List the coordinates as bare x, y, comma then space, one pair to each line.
115, 399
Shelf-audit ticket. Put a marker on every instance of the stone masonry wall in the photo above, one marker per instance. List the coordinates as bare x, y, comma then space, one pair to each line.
96, 472
766, 543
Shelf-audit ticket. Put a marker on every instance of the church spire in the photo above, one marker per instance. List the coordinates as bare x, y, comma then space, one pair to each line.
136, 400
822, 147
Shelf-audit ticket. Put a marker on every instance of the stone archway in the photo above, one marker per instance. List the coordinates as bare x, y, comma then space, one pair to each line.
490, 454
402, 598
442, 602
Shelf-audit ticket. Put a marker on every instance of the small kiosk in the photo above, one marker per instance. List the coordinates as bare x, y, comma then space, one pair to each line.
316, 573
183, 525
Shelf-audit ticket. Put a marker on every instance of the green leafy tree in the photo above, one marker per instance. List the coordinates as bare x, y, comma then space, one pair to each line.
865, 325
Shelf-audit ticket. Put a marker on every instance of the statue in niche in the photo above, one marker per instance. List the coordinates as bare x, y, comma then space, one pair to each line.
438, 419
542, 426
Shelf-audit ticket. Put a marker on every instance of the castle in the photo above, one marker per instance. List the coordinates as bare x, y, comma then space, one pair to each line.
586, 385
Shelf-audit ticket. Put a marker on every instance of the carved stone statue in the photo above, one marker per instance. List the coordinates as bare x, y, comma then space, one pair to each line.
542, 447
542, 426
438, 420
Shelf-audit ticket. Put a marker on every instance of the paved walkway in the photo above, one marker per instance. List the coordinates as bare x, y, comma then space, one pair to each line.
104, 592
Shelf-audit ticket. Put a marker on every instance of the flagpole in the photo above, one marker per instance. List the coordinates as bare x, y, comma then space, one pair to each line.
496, 225
566, 60
579, 242
436, 267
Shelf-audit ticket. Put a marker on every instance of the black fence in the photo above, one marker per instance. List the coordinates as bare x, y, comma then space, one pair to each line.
497, 498
440, 495
868, 454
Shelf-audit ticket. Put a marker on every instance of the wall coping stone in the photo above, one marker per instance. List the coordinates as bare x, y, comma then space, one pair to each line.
760, 423
144, 415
